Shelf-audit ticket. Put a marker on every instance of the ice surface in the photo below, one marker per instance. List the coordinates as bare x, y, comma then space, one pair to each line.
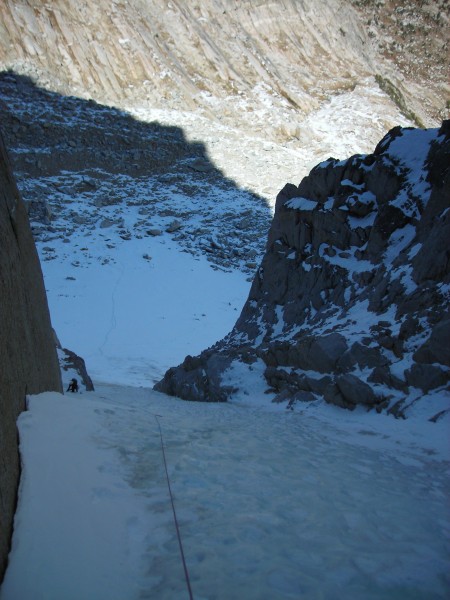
271, 504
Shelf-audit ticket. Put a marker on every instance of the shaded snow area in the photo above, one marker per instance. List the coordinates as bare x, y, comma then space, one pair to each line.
136, 310
270, 504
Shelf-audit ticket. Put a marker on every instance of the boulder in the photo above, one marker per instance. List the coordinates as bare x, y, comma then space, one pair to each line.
355, 391
198, 378
427, 377
437, 348
325, 351
382, 375
360, 355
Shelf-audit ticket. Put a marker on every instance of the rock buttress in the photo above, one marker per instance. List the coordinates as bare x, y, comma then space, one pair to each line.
351, 301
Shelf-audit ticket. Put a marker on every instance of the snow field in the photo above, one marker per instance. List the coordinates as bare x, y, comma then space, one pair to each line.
271, 505
133, 318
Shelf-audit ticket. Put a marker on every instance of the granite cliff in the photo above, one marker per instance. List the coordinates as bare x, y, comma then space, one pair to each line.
232, 59
28, 358
351, 301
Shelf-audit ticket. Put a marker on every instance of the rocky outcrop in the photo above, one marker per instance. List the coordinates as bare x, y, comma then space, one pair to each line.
351, 301
61, 154
28, 359
73, 366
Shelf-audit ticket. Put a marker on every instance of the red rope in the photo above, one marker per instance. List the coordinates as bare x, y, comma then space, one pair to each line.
186, 573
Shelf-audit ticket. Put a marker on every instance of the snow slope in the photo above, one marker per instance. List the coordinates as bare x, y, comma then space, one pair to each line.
271, 505
133, 317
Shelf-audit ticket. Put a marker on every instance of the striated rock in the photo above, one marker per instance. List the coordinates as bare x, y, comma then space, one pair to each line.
28, 359
351, 299
216, 56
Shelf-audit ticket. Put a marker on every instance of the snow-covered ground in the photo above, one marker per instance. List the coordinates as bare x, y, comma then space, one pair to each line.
271, 504
131, 318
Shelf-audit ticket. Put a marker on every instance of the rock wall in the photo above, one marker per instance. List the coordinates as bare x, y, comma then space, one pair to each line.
28, 358
231, 58
351, 301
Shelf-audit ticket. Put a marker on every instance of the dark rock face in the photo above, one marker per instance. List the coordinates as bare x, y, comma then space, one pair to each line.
28, 358
351, 301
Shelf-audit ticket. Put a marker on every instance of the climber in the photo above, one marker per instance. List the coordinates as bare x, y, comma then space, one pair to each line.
73, 385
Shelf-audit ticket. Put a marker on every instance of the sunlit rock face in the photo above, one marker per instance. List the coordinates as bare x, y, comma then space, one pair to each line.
28, 358
258, 65
351, 300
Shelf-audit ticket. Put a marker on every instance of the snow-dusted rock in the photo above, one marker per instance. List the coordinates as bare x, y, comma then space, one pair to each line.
355, 282
74, 365
101, 167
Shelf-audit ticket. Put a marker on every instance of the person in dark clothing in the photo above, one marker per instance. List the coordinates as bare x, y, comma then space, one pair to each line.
73, 385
